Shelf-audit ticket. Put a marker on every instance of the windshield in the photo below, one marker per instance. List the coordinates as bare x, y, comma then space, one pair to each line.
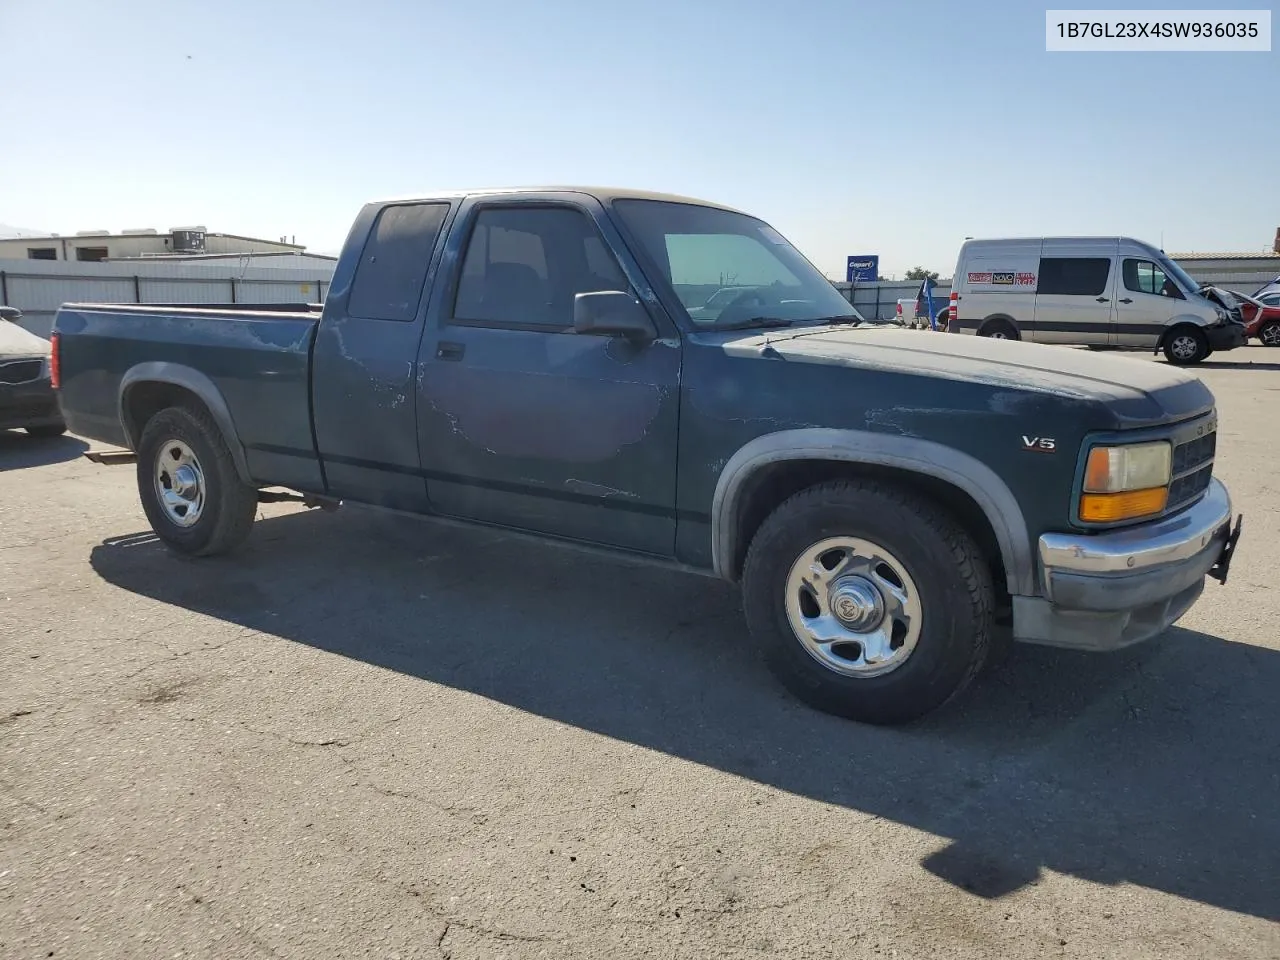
1184, 279
728, 269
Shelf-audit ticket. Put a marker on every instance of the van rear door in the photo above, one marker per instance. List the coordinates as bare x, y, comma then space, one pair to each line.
1075, 293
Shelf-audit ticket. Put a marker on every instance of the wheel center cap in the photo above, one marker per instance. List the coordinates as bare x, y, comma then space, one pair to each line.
857, 603
185, 482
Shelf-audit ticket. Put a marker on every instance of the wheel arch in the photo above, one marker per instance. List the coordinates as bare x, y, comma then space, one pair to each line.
148, 388
769, 469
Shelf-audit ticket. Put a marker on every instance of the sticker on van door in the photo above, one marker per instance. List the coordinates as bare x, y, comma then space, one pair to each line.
1004, 278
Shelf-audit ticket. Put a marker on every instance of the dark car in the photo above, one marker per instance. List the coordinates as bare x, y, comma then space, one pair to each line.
27, 399
524, 359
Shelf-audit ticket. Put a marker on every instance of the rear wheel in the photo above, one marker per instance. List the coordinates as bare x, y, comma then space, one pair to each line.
999, 330
868, 603
1185, 346
187, 481
47, 430
1269, 334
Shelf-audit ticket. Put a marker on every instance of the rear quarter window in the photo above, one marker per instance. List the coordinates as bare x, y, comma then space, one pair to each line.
393, 264
1074, 276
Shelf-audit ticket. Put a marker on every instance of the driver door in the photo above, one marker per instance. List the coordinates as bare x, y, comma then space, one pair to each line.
1146, 300
523, 422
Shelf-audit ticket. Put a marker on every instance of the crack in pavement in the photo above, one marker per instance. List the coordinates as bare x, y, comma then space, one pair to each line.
502, 935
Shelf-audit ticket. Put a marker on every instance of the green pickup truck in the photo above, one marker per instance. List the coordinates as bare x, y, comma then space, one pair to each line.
566, 362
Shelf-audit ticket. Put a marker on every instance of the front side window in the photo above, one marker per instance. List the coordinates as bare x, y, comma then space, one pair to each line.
1074, 276
1144, 276
727, 268
525, 265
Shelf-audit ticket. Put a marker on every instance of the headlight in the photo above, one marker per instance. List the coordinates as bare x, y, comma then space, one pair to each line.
1126, 482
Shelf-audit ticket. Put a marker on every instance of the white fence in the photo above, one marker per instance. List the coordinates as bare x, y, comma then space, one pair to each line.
39, 287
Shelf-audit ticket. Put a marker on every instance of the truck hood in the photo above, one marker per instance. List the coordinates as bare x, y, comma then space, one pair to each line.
1134, 391
17, 342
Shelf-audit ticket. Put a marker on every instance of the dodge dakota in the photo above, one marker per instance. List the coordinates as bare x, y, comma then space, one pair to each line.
545, 360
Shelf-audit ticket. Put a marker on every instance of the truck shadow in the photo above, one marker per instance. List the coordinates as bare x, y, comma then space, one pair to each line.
1153, 766
19, 450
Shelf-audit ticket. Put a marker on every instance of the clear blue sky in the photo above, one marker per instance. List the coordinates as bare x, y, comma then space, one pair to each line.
890, 128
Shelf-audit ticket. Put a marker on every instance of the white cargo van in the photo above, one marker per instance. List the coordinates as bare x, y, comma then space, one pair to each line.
1102, 292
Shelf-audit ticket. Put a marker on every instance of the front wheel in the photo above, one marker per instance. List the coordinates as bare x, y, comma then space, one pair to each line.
1269, 334
1186, 346
868, 603
187, 481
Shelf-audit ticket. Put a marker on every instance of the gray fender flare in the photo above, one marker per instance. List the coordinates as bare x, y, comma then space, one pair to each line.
924, 457
162, 371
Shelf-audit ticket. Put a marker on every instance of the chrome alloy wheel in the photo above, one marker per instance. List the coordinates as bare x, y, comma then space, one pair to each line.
1184, 347
180, 484
853, 607
1271, 335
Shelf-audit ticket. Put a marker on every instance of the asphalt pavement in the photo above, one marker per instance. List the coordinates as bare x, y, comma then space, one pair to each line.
366, 736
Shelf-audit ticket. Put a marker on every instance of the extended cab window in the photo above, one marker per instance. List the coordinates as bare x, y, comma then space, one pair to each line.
1143, 276
524, 266
393, 265
1074, 276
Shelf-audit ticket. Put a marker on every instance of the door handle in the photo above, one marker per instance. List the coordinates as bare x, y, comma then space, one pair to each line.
450, 351
1102, 299
1127, 300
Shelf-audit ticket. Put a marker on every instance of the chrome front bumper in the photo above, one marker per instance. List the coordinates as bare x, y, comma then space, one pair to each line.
1109, 590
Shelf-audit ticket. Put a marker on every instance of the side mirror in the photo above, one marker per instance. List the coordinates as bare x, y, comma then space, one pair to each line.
10, 313
611, 313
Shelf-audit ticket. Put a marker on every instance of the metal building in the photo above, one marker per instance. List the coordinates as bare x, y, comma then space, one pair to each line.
94, 246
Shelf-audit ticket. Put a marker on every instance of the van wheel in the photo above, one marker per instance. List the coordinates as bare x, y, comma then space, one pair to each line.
187, 481
1185, 346
867, 602
999, 330
1269, 334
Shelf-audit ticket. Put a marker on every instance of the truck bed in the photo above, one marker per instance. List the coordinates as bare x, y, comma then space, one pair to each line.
257, 357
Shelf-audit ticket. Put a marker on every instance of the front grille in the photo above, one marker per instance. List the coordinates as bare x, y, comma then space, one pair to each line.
1194, 453
1192, 469
20, 371
1190, 487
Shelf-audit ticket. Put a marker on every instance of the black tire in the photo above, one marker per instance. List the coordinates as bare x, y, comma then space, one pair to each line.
999, 329
229, 505
954, 589
1185, 346
1269, 334
47, 430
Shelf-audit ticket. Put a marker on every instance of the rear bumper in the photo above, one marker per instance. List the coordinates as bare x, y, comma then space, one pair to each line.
31, 404
1227, 336
1111, 590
